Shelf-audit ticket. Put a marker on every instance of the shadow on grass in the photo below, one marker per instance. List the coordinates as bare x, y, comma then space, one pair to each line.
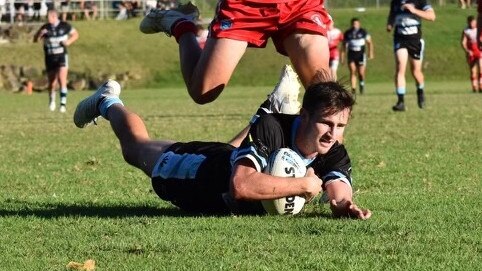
59, 210
28, 209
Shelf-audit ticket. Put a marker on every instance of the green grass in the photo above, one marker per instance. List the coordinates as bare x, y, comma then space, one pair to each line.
111, 47
67, 195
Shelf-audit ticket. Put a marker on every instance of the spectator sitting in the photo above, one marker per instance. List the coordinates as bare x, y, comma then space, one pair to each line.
89, 7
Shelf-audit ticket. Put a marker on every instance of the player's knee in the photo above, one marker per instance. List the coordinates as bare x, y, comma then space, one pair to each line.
206, 96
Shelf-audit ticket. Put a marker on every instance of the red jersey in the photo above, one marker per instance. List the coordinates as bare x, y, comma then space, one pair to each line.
335, 36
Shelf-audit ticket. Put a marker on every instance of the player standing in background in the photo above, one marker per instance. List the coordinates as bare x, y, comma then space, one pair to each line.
335, 37
355, 40
470, 45
57, 36
297, 28
405, 20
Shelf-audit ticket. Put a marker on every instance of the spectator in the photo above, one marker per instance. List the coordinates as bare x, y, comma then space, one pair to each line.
2, 9
65, 8
89, 8
20, 10
465, 4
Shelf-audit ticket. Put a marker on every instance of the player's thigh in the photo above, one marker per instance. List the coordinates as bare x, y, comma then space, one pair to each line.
309, 54
401, 59
352, 67
217, 63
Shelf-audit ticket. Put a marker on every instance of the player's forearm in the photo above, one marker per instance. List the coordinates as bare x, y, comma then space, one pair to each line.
428, 15
338, 191
260, 186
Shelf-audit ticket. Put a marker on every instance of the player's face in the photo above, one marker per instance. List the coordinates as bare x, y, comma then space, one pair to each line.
318, 133
356, 24
52, 17
473, 24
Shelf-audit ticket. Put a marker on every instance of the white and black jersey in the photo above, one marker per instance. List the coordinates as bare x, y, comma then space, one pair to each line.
405, 24
55, 36
195, 176
356, 39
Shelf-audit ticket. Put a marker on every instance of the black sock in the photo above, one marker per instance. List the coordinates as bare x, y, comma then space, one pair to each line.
401, 98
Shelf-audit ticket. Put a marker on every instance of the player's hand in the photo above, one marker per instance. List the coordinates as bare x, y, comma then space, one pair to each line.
409, 7
313, 187
43, 33
389, 27
349, 209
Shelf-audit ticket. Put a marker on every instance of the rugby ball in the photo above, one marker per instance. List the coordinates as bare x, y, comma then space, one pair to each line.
285, 163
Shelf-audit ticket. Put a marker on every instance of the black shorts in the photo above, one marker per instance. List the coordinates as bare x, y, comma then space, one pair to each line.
54, 62
359, 57
415, 47
194, 176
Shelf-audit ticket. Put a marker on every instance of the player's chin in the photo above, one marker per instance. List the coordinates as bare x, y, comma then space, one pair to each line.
324, 147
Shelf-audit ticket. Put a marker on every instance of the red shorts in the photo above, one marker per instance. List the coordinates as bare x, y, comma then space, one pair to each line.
256, 22
474, 57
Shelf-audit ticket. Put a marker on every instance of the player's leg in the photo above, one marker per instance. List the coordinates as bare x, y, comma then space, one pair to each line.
474, 74
52, 76
137, 148
206, 72
334, 68
479, 69
309, 54
63, 73
416, 67
401, 59
352, 67
282, 99
361, 68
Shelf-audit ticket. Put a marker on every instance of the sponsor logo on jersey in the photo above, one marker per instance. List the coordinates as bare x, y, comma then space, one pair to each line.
226, 24
316, 18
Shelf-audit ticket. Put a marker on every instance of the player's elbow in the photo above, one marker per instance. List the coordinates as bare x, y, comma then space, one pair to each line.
431, 17
239, 189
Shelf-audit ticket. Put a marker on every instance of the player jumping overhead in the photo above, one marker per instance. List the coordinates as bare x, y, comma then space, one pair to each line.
213, 177
405, 18
297, 28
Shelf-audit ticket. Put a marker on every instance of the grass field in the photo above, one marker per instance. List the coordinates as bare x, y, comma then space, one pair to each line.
66, 194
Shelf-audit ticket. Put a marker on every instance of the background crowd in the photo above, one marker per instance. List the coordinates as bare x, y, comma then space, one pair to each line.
21, 11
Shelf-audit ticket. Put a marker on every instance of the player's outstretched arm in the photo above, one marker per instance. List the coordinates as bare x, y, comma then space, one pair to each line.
341, 202
249, 184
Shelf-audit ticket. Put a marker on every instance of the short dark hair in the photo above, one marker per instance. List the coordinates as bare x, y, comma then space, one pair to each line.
328, 96
470, 19
354, 19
